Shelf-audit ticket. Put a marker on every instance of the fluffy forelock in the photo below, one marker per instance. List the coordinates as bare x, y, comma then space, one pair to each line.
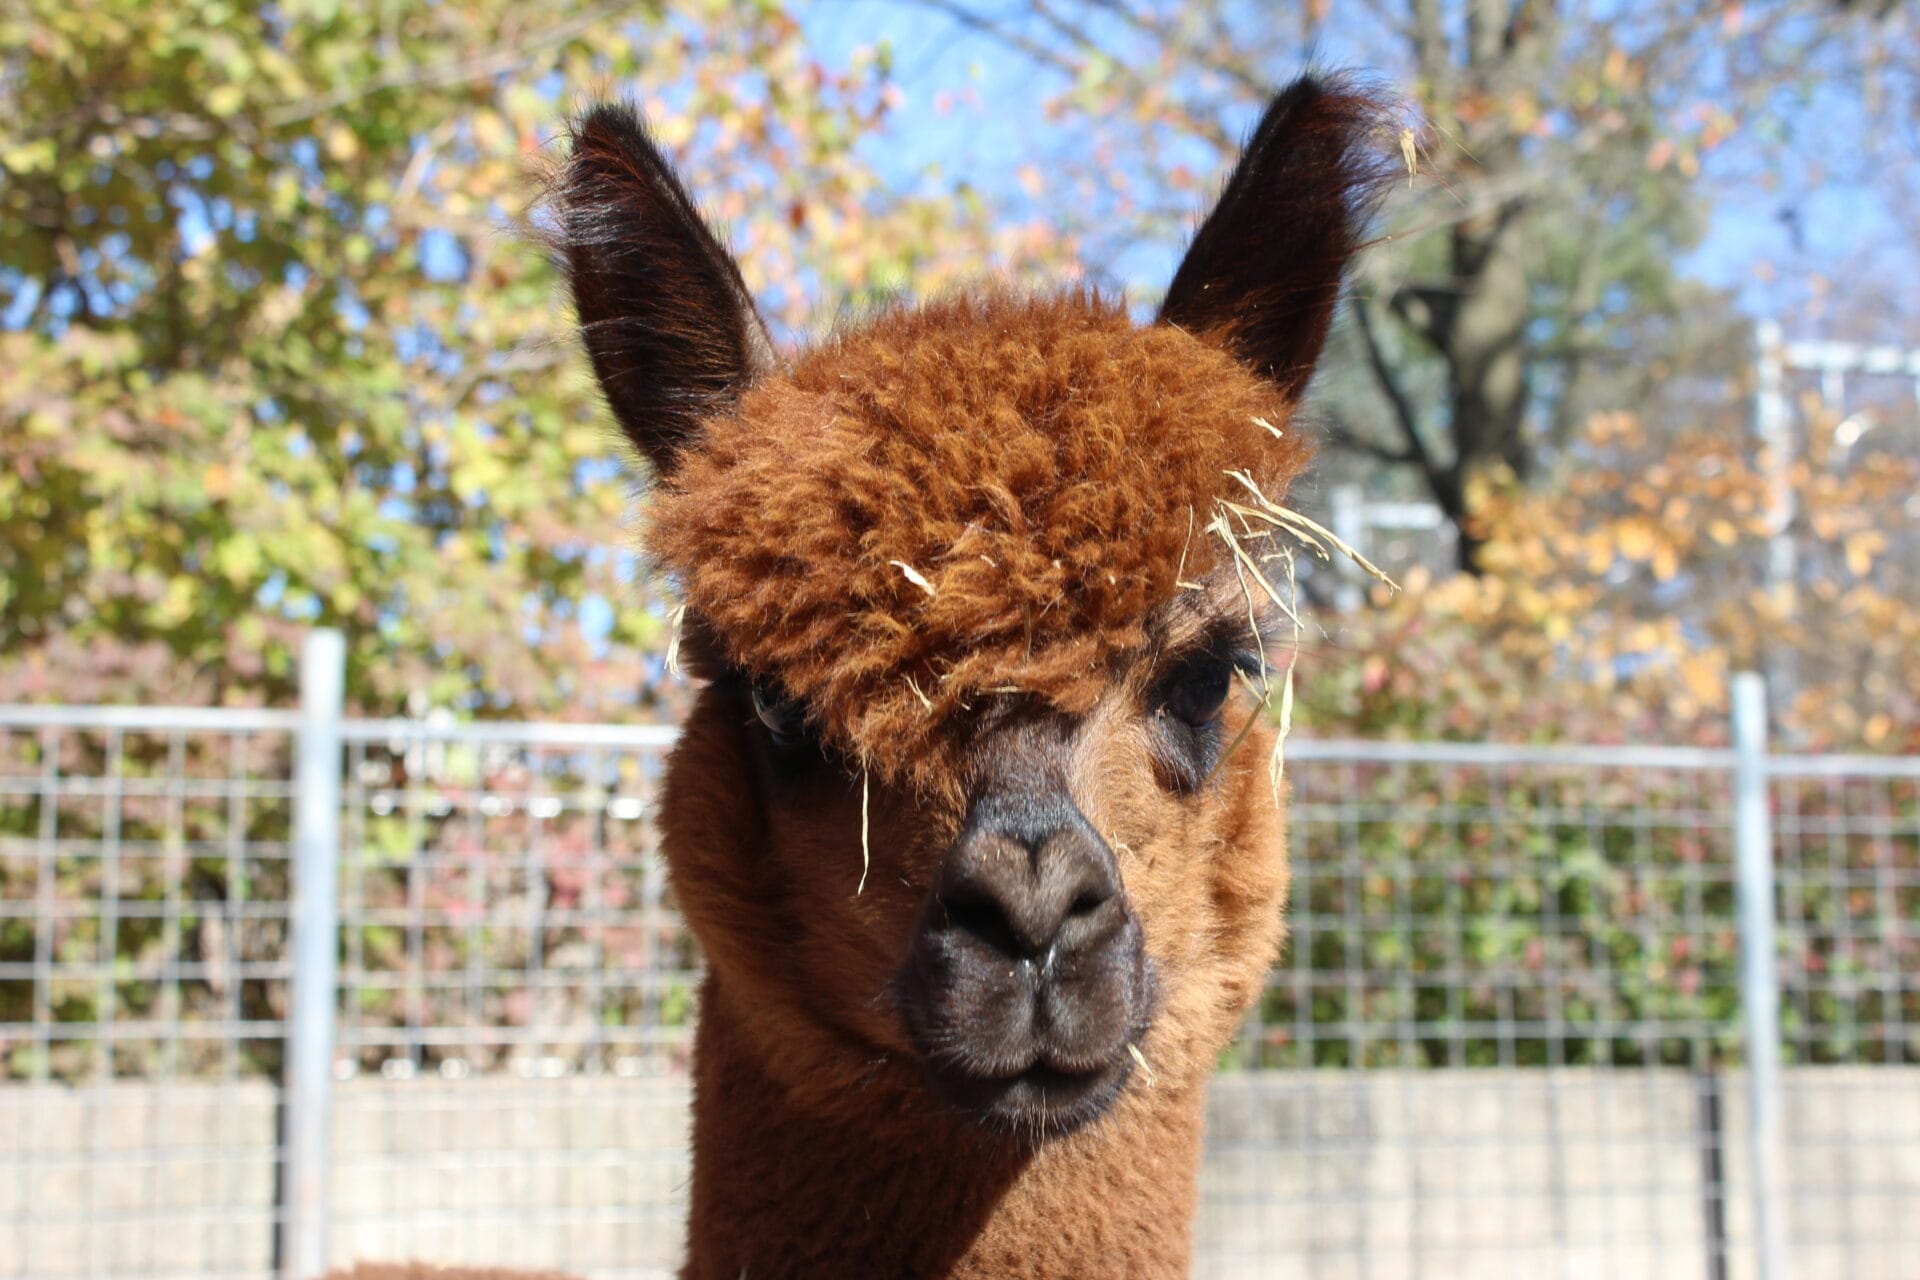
989, 495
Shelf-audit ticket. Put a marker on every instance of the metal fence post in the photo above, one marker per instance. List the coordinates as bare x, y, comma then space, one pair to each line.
1773, 424
314, 943
1350, 523
1759, 970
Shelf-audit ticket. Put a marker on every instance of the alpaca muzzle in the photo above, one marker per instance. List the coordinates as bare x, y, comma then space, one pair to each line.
1028, 977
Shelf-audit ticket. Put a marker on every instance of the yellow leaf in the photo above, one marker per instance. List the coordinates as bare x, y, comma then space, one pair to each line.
489, 131
1701, 674
1635, 540
342, 144
675, 131
224, 100
1861, 549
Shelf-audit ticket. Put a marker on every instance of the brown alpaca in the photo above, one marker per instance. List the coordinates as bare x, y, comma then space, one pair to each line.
980, 845
982, 852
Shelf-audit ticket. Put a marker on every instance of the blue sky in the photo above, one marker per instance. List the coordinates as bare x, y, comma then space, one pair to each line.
1836, 222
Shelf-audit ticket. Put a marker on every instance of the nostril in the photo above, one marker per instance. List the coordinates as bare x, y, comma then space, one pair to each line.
970, 913
982, 916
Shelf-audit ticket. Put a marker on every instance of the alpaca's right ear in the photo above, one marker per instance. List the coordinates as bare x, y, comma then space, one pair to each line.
673, 334
1263, 274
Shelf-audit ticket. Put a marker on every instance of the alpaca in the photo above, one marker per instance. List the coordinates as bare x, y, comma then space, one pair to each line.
977, 837
981, 847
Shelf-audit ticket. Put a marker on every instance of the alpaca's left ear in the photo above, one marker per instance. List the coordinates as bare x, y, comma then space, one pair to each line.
1263, 274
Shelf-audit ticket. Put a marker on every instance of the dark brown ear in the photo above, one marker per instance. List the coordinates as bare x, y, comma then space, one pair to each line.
1263, 274
669, 324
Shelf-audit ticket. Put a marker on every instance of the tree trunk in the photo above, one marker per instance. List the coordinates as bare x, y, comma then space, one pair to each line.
1485, 345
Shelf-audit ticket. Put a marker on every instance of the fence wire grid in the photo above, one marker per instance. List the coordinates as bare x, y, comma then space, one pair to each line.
1513, 1032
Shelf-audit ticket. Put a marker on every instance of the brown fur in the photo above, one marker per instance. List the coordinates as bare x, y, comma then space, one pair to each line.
932, 525
816, 1144
1044, 466
1046, 471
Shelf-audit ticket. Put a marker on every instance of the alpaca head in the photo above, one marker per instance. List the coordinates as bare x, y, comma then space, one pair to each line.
972, 808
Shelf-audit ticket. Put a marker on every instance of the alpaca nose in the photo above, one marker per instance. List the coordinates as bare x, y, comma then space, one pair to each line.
1031, 879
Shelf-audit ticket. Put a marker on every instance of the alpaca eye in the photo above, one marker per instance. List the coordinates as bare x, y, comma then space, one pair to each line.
1186, 716
784, 718
1197, 693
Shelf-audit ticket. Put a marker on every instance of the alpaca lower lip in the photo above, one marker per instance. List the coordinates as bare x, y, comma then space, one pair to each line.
1040, 1101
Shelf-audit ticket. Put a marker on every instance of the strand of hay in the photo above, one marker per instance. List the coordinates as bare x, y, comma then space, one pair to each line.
1304, 531
673, 640
866, 849
1180, 570
1241, 556
925, 701
1141, 1058
1277, 762
917, 578
1245, 729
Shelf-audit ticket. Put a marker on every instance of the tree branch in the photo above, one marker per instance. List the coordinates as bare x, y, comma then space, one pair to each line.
971, 19
1343, 436
1217, 57
484, 64
499, 60
1403, 408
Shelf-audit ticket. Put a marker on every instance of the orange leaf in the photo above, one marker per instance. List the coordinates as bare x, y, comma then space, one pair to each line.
1635, 540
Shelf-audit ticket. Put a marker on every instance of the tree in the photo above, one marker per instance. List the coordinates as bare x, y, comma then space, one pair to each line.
1615, 608
1561, 160
277, 349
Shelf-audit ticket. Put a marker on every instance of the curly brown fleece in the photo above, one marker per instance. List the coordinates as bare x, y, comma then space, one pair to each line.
991, 493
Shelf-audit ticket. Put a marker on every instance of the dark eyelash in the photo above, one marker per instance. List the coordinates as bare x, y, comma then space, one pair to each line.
1232, 643
1247, 662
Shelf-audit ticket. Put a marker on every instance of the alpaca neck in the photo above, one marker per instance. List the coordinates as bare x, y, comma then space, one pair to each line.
886, 1183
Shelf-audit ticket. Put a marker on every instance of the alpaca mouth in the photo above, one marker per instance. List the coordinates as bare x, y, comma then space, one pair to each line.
1021, 1060
1038, 1103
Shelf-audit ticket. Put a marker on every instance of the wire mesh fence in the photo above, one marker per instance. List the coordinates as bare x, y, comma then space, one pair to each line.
145, 879
1510, 1035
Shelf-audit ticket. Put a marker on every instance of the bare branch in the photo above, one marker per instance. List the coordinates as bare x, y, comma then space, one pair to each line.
1342, 436
1193, 120
971, 20
1216, 56
1403, 408
496, 61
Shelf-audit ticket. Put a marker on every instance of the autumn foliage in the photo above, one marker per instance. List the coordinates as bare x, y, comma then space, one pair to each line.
1615, 605
279, 349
